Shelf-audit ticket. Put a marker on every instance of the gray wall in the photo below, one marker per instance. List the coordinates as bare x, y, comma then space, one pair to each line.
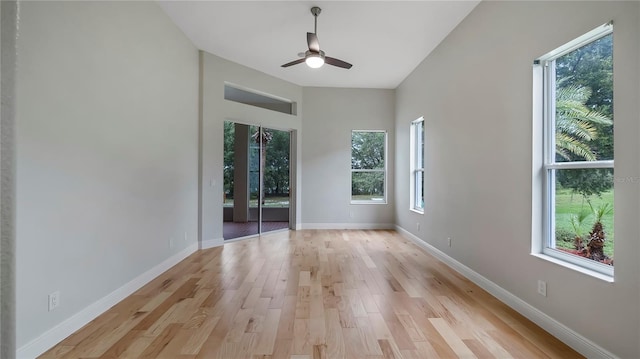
107, 117
8, 27
215, 110
330, 114
475, 93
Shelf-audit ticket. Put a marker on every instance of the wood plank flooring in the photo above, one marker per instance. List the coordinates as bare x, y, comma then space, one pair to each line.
308, 295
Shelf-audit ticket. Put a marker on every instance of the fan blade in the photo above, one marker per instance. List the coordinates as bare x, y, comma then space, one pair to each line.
294, 62
336, 62
312, 41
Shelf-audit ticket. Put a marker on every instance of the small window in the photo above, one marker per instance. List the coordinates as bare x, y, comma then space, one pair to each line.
368, 166
255, 98
417, 165
578, 159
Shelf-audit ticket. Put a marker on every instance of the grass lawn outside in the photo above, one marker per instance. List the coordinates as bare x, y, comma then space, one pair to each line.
375, 198
270, 202
568, 203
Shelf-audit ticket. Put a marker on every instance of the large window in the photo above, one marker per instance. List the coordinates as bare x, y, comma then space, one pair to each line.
578, 163
368, 166
417, 165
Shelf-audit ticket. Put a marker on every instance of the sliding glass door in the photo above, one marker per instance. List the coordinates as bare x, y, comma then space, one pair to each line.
256, 180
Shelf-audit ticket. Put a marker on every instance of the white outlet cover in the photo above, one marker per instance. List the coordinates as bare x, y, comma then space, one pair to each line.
542, 288
54, 300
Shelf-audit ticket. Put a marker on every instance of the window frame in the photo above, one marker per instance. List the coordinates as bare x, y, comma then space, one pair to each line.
416, 150
545, 77
383, 170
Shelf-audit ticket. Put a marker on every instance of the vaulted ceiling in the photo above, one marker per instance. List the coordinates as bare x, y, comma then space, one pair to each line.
384, 40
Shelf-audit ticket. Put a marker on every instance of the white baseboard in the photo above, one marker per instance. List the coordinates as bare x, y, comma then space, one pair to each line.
210, 243
568, 336
56, 334
348, 226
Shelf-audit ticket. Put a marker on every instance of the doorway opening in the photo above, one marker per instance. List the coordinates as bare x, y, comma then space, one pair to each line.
256, 180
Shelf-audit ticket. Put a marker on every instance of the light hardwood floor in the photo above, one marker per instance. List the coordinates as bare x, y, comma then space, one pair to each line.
312, 294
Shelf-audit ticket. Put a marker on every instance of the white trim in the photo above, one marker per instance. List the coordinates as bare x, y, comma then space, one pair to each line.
586, 265
56, 334
578, 164
576, 267
591, 36
568, 336
210, 243
226, 241
348, 226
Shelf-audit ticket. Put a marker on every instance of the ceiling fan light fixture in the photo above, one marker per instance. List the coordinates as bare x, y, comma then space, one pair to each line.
314, 61
314, 57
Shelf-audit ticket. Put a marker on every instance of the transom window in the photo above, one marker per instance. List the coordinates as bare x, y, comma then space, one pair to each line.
578, 158
417, 165
368, 166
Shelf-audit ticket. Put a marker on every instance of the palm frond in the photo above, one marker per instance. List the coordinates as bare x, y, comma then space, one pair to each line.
573, 93
576, 123
579, 129
602, 209
577, 222
567, 144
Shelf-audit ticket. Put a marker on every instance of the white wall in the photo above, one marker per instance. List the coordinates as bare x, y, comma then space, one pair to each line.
107, 117
330, 115
215, 110
475, 93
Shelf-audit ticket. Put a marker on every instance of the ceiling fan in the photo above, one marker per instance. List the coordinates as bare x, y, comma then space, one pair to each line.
314, 57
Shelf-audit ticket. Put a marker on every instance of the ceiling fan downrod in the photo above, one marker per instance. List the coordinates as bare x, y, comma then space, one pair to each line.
315, 11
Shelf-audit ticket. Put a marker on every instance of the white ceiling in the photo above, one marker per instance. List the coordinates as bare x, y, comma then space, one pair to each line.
384, 40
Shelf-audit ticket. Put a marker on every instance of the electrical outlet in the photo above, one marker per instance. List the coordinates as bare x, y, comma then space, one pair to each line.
54, 300
449, 241
170, 242
350, 214
186, 237
418, 226
542, 288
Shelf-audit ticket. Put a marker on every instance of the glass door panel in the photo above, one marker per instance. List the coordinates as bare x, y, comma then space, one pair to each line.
256, 180
275, 157
238, 173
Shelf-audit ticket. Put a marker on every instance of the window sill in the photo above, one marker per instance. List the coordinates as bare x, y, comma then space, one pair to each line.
416, 211
574, 267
